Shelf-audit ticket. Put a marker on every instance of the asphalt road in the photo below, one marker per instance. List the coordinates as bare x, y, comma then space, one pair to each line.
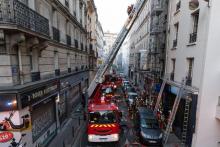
128, 135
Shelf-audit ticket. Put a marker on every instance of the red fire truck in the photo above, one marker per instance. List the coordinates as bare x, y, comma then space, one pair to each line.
104, 118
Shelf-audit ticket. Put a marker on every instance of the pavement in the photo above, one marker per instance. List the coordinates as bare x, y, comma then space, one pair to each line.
67, 136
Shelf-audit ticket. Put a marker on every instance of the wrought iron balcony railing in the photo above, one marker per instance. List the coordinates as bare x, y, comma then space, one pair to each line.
68, 40
193, 37
56, 34
13, 12
76, 43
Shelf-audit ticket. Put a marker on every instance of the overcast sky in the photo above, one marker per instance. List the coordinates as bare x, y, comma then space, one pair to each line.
112, 13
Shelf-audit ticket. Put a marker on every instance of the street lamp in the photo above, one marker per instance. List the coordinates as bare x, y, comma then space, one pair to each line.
193, 4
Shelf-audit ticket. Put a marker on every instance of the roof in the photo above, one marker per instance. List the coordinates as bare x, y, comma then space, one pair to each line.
102, 107
132, 93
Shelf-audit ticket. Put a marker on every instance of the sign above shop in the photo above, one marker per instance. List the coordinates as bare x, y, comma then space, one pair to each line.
33, 96
6, 137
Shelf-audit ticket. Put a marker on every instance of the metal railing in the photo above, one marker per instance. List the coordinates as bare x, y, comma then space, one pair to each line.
13, 12
193, 37
56, 34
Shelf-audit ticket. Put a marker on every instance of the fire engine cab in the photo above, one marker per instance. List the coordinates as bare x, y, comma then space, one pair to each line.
103, 120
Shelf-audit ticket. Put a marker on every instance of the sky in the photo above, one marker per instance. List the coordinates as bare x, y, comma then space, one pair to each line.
112, 13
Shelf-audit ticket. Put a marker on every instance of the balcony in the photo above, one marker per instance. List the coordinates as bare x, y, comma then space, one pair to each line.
156, 8
16, 15
76, 44
68, 40
56, 34
175, 43
193, 37
156, 29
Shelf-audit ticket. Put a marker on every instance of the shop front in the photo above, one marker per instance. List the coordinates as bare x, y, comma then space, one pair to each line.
41, 102
181, 125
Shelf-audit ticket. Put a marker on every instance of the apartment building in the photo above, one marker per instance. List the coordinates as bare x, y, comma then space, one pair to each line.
192, 56
109, 39
100, 43
44, 67
147, 43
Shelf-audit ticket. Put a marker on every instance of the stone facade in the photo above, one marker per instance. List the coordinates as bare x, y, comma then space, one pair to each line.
45, 63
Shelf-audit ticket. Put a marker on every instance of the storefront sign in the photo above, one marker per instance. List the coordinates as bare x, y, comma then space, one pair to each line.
5, 137
38, 94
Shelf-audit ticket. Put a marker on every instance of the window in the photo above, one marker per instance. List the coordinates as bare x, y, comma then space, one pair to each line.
56, 60
176, 35
190, 71
178, 5
173, 69
193, 35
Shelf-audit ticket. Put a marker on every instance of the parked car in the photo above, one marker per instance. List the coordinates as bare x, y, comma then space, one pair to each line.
147, 127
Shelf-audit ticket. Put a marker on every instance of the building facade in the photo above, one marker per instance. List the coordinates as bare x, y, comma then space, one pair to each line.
192, 55
147, 40
45, 65
100, 43
109, 39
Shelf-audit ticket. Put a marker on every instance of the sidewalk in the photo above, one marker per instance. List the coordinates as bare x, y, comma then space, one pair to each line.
70, 130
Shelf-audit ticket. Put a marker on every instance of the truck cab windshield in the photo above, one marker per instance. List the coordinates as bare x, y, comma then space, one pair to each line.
102, 117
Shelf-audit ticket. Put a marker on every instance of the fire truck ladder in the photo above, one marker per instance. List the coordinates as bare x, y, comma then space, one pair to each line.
182, 88
116, 46
173, 113
185, 121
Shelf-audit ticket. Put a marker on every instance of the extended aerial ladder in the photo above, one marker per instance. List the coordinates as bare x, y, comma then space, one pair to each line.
116, 46
183, 89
